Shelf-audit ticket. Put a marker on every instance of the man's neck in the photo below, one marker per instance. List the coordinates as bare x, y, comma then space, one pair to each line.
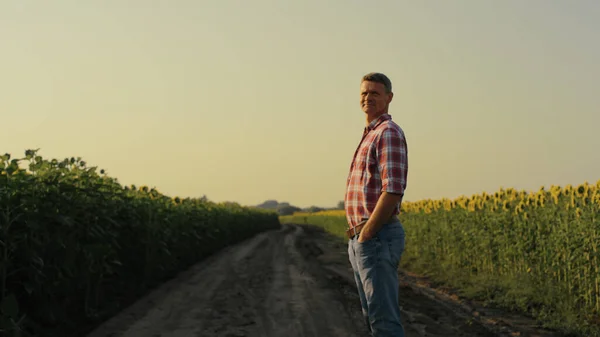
374, 117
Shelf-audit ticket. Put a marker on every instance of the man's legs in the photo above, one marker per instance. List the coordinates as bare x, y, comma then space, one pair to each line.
361, 292
375, 263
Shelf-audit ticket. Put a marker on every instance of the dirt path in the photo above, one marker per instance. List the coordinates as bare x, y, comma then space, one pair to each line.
292, 282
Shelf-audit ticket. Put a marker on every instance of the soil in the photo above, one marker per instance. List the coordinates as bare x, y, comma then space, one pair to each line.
296, 282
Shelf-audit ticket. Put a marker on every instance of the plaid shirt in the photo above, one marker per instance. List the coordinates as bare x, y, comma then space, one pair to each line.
380, 164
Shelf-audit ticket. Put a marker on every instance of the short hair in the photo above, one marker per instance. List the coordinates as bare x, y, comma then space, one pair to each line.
379, 78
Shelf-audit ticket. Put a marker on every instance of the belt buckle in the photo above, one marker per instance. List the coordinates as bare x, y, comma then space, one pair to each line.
363, 221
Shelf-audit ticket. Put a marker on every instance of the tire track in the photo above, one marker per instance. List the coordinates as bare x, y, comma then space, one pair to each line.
261, 287
295, 281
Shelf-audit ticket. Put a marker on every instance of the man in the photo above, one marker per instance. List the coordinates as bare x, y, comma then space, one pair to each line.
374, 192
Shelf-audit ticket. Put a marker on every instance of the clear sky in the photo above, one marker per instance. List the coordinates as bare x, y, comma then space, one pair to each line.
253, 100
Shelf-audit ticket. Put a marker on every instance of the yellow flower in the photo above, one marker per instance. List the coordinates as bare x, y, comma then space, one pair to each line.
582, 189
540, 202
568, 189
481, 204
596, 198
557, 192
586, 200
520, 208
573, 202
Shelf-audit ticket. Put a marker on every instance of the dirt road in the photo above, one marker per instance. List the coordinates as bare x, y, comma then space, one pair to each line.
292, 282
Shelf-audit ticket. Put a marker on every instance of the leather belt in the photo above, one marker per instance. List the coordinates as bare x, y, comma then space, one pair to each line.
351, 232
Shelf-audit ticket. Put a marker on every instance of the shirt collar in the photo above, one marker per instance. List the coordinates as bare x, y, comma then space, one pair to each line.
378, 121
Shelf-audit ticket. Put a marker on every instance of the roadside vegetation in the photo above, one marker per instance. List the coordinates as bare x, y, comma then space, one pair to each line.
536, 252
76, 246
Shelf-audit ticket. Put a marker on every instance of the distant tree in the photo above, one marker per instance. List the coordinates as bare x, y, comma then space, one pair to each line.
340, 205
231, 204
313, 209
287, 210
269, 204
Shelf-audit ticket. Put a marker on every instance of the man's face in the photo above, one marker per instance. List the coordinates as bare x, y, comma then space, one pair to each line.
374, 100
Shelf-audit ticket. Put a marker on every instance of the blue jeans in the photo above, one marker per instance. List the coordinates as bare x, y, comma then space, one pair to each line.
375, 264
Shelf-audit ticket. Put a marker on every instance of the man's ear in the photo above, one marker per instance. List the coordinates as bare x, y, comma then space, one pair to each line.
390, 97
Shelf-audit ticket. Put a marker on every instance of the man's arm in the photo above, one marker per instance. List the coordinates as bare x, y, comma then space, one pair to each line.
393, 164
383, 211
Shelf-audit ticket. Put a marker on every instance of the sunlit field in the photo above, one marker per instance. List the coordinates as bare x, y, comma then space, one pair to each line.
533, 251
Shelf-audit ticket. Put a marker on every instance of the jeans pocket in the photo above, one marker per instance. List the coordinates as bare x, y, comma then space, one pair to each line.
396, 247
367, 252
371, 243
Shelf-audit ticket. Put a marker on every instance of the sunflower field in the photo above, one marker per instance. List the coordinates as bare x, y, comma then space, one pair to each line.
532, 251
76, 246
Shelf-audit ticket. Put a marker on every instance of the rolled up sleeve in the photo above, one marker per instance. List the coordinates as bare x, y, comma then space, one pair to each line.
392, 154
